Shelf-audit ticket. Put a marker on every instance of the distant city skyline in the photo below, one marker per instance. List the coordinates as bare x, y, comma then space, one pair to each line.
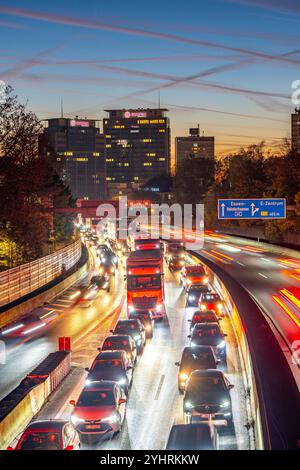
226, 65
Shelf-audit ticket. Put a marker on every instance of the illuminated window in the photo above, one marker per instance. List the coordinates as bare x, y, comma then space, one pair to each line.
146, 140
161, 130
147, 164
151, 154
110, 160
96, 154
81, 159
69, 154
136, 178
162, 159
108, 145
108, 136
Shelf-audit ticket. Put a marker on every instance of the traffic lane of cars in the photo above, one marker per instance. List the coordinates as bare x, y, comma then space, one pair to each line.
24, 357
154, 402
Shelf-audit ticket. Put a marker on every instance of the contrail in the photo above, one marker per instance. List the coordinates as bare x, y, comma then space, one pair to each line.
59, 19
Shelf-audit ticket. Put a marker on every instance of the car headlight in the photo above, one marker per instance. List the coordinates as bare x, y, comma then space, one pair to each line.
148, 328
122, 382
75, 420
188, 281
131, 308
225, 404
188, 405
193, 344
184, 376
88, 382
191, 297
203, 307
221, 345
205, 280
115, 259
220, 307
110, 419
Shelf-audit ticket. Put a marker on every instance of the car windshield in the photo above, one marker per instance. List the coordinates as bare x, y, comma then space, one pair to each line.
206, 384
107, 364
40, 441
143, 282
194, 361
96, 398
205, 332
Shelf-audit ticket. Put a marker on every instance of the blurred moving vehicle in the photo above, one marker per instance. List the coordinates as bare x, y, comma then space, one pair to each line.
194, 358
25, 326
208, 316
209, 334
146, 319
174, 254
207, 396
87, 295
101, 281
201, 436
194, 274
211, 301
113, 366
49, 435
100, 409
193, 294
133, 328
121, 343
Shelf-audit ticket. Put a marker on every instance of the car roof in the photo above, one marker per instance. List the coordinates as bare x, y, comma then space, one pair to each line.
114, 354
207, 373
197, 349
99, 385
205, 312
127, 321
47, 424
118, 337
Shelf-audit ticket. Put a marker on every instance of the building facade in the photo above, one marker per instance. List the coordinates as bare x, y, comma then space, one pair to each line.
76, 148
295, 130
193, 145
137, 147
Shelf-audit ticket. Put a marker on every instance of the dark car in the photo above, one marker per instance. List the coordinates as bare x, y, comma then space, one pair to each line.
100, 409
200, 436
146, 319
112, 366
211, 301
102, 249
101, 281
193, 294
208, 316
207, 396
133, 328
122, 343
194, 358
49, 435
209, 334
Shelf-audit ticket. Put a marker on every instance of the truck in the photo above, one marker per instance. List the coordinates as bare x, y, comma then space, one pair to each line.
174, 254
145, 282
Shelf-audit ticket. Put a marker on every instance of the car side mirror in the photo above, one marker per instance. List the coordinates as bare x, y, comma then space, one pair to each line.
177, 364
122, 400
230, 386
190, 321
225, 334
125, 277
87, 369
99, 349
189, 336
218, 361
111, 331
72, 402
69, 448
129, 368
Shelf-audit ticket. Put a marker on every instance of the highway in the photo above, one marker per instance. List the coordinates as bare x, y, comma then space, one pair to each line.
79, 323
154, 401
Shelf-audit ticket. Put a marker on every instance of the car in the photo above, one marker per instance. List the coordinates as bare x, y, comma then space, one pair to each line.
194, 358
207, 396
208, 316
103, 249
193, 294
211, 301
49, 435
197, 436
194, 274
135, 329
25, 327
147, 320
100, 409
101, 281
209, 334
123, 343
111, 365
88, 294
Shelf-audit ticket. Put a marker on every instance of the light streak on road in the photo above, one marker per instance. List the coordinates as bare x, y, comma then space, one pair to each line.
287, 310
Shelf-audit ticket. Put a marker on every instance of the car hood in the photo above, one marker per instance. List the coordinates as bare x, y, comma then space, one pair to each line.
93, 412
199, 398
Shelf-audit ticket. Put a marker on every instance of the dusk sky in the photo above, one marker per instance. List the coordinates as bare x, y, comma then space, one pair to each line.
225, 64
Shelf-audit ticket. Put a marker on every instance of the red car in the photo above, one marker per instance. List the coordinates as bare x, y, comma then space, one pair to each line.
49, 435
208, 316
100, 409
195, 274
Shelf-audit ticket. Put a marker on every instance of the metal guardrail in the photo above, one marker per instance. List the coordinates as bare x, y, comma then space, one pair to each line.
24, 279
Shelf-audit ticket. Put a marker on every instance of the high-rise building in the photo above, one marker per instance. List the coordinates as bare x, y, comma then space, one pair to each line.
193, 145
76, 148
137, 147
296, 130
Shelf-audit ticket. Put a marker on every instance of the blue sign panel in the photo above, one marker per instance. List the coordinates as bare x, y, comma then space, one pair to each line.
252, 208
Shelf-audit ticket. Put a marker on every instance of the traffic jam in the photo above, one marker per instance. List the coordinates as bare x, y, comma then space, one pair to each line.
99, 413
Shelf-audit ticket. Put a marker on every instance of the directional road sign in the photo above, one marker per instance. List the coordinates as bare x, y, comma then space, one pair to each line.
252, 208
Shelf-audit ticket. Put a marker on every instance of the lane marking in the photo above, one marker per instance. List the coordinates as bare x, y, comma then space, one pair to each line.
159, 387
263, 275
241, 264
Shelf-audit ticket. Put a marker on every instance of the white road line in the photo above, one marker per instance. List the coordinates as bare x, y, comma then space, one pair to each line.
241, 264
263, 275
